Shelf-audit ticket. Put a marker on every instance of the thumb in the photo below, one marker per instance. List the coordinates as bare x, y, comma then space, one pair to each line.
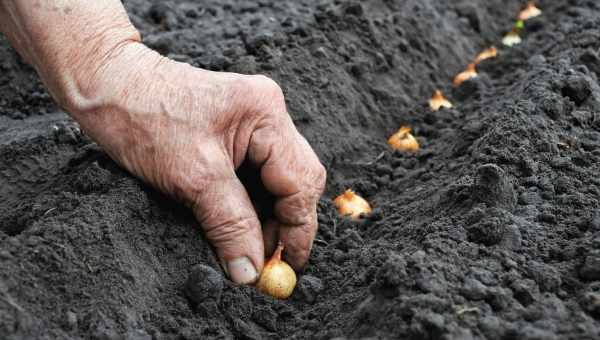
231, 225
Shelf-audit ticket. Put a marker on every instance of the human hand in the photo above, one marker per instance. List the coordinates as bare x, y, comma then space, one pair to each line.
182, 129
186, 130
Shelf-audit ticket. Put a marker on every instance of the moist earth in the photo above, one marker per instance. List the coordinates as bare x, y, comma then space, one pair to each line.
490, 231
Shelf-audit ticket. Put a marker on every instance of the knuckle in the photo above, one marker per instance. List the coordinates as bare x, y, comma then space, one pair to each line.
295, 210
269, 88
228, 230
266, 82
260, 95
239, 86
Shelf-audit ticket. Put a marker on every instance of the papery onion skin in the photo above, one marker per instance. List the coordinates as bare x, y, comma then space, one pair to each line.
438, 101
529, 12
488, 53
351, 204
469, 73
511, 39
403, 140
277, 279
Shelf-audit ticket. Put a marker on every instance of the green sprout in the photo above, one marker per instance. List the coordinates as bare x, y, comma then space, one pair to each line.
519, 25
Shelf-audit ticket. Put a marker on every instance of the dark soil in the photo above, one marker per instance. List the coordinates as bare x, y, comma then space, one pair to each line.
491, 231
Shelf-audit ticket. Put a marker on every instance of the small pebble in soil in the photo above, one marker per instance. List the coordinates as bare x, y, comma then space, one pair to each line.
66, 134
204, 284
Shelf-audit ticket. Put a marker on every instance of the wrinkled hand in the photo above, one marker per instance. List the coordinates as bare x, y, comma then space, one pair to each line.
186, 130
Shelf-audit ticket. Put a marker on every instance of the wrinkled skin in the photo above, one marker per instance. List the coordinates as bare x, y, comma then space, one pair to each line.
183, 130
186, 130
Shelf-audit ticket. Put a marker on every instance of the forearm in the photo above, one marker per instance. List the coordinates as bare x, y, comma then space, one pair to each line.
67, 41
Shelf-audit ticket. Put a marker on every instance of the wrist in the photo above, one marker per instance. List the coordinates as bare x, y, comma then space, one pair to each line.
81, 85
67, 41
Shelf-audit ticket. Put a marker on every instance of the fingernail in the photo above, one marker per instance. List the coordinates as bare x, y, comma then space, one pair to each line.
241, 270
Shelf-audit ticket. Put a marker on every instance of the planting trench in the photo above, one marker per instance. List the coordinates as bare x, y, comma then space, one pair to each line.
490, 231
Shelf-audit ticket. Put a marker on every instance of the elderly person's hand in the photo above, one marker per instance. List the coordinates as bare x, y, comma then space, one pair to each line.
182, 129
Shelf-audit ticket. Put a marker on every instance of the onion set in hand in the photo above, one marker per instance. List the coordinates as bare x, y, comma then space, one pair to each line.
277, 279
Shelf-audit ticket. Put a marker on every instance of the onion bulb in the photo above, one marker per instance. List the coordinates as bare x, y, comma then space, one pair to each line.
529, 12
469, 73
351, 204
438, 100
277, 279
512, 38
403, 140
488, 53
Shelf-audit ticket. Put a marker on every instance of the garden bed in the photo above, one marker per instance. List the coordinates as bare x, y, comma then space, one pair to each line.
490, 231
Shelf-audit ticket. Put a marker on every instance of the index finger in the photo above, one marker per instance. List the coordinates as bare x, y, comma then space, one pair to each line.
292, 172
